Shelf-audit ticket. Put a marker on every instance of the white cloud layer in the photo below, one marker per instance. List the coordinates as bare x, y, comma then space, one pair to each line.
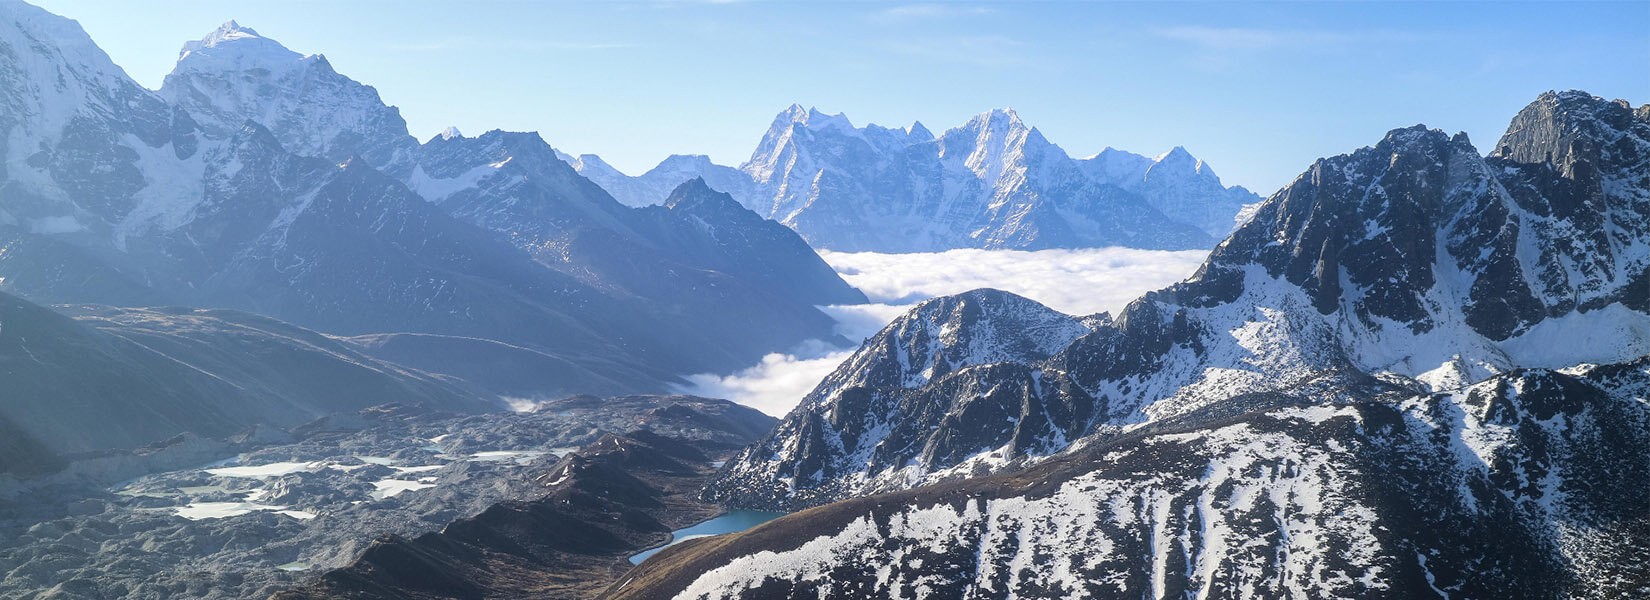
1078, 282
1073, 281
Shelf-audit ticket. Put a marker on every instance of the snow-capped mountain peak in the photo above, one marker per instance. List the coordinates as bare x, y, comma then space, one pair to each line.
450, 133
233, 46
1177, 162
235, 75
993, 182
839, 122
997, 118
918, 133
795, 113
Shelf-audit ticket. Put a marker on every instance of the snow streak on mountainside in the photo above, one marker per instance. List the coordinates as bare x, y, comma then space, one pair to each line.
1415, 263
262, 179
992, 183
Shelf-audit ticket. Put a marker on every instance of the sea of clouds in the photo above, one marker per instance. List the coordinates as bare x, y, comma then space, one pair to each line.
1078, 282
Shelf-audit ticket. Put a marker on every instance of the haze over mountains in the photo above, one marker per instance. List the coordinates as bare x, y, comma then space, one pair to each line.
261, 179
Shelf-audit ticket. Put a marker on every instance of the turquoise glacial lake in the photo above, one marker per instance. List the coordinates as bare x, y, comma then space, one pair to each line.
732, 522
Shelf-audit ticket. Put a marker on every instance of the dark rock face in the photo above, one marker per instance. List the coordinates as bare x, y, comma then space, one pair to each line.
1414, 264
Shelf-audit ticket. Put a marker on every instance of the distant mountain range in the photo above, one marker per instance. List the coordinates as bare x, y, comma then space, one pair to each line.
993, 182
260, 179
1416, 369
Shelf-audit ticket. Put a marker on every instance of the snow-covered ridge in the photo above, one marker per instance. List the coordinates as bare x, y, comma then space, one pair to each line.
250, 50
234, 75
993, 182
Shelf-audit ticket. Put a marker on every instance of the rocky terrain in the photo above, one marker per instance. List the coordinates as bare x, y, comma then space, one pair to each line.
299, 503
603, 504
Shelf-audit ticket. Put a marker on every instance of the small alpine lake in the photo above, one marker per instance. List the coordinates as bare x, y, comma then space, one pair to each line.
730, 522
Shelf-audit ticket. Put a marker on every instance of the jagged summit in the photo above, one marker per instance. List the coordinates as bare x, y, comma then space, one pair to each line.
795, 113
997, 118
918, 132
234, 74
695, 195
450, 133
1560, 126
1177, 156
1183, 164
992, 182
817, 119
229, 31
232, 45
684, 162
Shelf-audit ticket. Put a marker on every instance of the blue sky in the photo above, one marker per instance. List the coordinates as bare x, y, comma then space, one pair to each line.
1258, 90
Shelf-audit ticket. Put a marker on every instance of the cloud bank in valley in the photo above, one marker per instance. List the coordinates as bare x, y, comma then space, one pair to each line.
1078, 282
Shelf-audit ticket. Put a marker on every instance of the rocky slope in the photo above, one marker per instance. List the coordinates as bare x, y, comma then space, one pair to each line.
993, 182
113, 378
1416, 264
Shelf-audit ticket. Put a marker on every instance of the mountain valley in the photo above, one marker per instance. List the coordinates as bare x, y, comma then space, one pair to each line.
259, 341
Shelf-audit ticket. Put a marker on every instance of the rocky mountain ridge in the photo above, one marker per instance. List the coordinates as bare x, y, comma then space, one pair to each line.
993, 182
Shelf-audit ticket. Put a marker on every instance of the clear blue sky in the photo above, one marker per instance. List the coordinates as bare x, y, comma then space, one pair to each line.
1257, 90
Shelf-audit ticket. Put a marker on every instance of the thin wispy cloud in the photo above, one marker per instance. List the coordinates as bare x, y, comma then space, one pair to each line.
507, 44
1249, 38
1226, 46
929, 11
990, 50
1228, 38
